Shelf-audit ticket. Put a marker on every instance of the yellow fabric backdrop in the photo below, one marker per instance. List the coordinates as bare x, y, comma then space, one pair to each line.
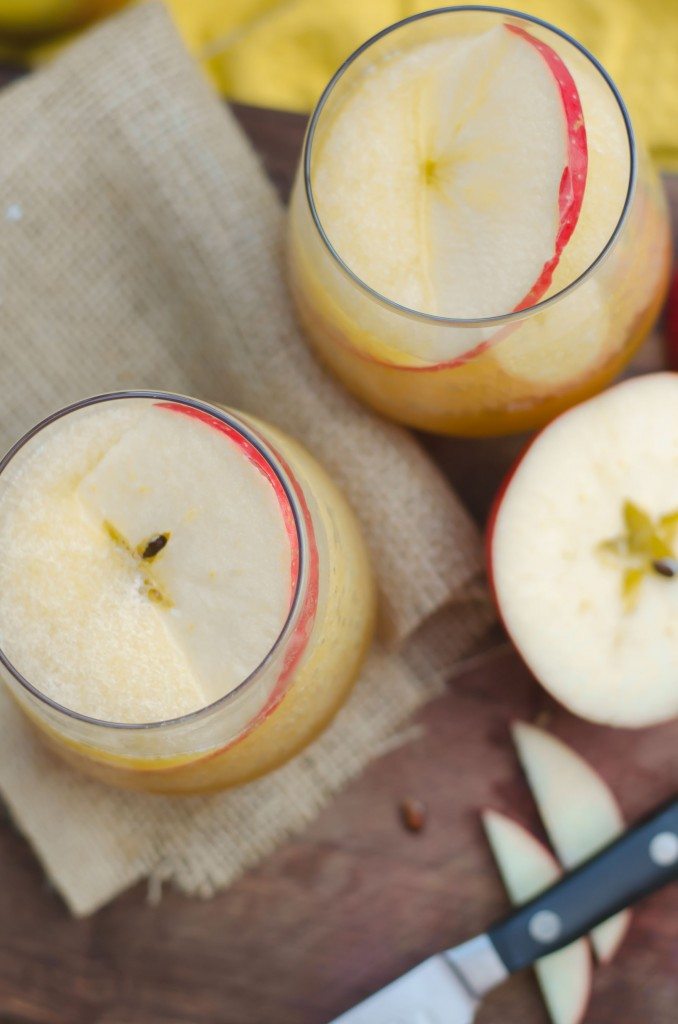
280, 53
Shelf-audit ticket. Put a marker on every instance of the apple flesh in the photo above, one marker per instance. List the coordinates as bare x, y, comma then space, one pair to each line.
580, 542
579, 812
527, 868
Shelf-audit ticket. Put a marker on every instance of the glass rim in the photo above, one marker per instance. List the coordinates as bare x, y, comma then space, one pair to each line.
288, 626
500, 318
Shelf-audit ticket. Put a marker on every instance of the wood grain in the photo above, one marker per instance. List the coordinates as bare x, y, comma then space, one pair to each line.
356, 899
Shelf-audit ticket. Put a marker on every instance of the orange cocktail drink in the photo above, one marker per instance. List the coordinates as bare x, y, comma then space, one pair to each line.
185, 596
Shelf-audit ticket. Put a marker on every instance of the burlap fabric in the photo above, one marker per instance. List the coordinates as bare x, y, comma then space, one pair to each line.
141, 247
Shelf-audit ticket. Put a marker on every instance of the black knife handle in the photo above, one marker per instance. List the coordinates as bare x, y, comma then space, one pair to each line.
638, 862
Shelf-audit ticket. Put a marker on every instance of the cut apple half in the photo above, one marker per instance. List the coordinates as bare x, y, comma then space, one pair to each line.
527, 868
579, 812
452, 178
582, 547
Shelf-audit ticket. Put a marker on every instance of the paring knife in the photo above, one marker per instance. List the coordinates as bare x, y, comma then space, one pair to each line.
446, 988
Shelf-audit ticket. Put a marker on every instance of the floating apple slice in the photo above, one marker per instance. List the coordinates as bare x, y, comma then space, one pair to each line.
199, 510
479, 150
579, 812
527, 868
581, 549
506, 113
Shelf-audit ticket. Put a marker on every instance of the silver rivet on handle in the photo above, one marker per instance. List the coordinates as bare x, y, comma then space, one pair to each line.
663, 849
545, 926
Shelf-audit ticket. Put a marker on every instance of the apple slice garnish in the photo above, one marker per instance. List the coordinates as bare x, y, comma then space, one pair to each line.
202, 514
463, 170
527, 868
579, 812
507, 113
582, 547
296, 643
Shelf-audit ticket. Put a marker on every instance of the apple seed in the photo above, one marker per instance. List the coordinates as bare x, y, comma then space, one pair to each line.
153, 546
413, 814
666, 567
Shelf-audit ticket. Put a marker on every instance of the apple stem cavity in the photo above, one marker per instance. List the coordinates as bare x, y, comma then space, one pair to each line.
645, 546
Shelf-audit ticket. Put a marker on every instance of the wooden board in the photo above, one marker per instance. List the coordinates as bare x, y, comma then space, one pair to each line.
356, 899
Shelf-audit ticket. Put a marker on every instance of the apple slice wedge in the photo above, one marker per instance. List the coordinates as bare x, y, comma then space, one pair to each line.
582, 547
527, 868
579, 812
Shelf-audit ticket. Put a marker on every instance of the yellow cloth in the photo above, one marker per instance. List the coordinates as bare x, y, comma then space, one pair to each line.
280, 53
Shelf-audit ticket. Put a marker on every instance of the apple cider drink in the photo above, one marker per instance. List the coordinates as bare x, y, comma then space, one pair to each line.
475, 241
185, 597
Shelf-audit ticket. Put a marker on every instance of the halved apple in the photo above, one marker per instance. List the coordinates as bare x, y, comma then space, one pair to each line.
582, 549
579, 811
527, 868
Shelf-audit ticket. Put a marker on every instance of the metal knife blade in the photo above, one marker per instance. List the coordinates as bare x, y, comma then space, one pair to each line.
432, 993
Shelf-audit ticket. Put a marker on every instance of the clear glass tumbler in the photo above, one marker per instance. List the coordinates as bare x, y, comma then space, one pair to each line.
508, 372
298, 686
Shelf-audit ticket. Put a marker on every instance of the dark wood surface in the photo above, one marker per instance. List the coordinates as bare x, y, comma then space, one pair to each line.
356, 899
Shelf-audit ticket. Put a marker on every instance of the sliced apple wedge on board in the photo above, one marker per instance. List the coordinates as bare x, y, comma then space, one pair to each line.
579, 812
582, 547
527, 868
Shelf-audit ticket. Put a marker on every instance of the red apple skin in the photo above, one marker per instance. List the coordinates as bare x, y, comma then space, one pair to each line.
570, 199
671, 333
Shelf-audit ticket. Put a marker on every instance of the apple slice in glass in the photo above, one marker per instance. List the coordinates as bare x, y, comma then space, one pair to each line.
199, 511
479, 148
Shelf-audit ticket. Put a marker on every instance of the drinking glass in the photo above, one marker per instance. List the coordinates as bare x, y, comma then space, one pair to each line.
303, 679
512, 371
